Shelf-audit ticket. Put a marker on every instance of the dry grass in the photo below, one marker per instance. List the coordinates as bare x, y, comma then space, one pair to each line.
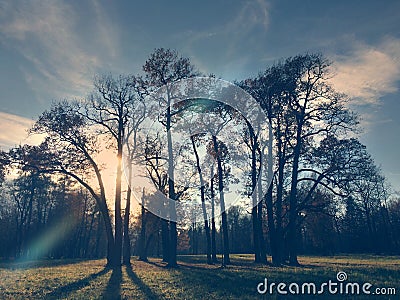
193, 279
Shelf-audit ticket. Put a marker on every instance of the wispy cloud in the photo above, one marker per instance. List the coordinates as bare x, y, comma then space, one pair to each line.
253, 13
250, 15
368, 72
14, 131
106, 30
233, 41
48, 35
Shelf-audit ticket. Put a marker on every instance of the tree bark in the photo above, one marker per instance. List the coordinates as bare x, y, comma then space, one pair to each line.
213, 227
226, 259
292, 233
142, 243
203, 202
173, 238
165, 240
254, 213
127, 243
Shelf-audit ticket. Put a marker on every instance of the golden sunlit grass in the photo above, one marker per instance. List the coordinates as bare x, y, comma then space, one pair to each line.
193, 279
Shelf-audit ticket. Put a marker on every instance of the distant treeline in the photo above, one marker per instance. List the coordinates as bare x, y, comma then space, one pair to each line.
57, 219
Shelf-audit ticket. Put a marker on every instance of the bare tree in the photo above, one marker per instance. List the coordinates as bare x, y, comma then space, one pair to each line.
203, 201
302, 109
319, 111
109, 107
71, 149
137, 114
165, 67
155, 168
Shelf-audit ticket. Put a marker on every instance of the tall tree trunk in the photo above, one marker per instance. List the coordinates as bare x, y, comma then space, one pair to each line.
226, 259
271, 226
254, 214
263, 249
127, 241
142, 242
165, 240
292, 233
98, 236
213, 227
28, 229
172, 262
279, 238
279, 235
203, 202
272, 229
118, 217
194, 239
254, 219
263, 254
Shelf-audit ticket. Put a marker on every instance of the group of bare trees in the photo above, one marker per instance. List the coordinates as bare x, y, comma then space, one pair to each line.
311, 124
320, 168
75, 133
37, 209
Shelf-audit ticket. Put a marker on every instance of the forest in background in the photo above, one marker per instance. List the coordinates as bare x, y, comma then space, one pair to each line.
327, 195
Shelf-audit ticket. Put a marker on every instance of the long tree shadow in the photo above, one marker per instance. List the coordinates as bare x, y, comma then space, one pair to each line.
66, 290
159, 264
237, 280
113, 289
142, 286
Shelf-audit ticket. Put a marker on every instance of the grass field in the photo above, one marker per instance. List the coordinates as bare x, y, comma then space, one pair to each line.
193, 279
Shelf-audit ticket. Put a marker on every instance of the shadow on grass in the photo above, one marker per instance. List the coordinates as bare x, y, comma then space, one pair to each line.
65, 290
45, 263
142, 286
239, 280
113, 289
158, 264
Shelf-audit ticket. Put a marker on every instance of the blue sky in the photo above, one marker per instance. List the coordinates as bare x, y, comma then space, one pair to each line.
51, 50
